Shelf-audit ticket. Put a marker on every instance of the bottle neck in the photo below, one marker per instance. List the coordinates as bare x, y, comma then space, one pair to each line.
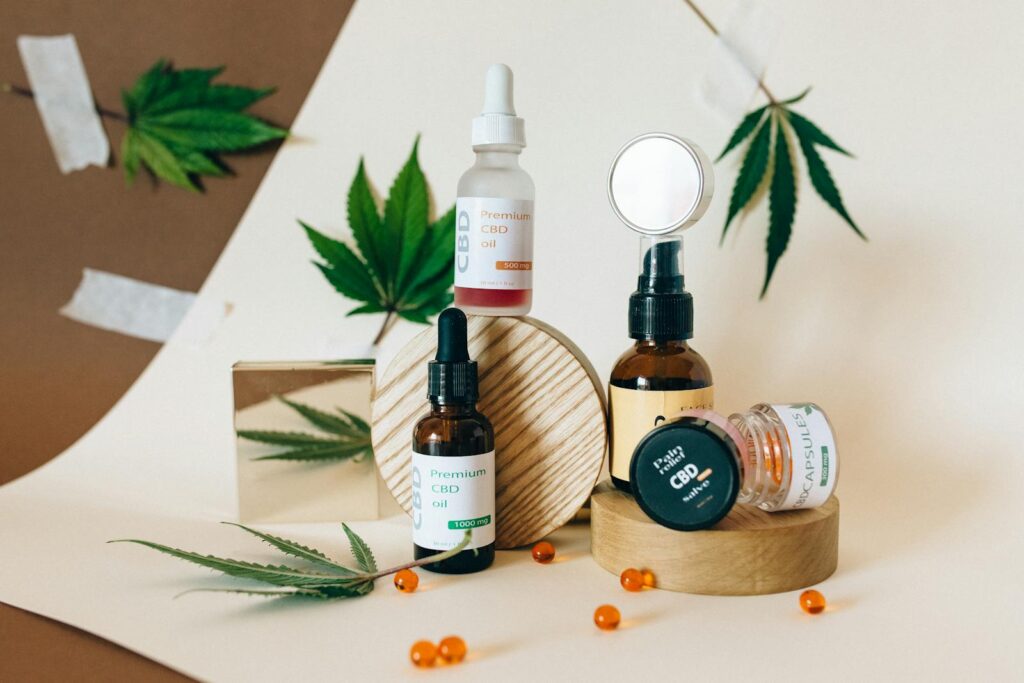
498, 156
452, 409
651, 343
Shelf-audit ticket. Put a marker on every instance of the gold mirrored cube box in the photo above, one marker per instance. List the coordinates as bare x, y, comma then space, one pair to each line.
302, 441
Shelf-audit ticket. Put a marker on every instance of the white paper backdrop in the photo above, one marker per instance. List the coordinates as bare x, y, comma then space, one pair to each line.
910, 342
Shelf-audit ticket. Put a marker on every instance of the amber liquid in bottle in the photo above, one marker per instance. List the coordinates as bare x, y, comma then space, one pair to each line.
452, 431
453, 458
656, 365
660, 322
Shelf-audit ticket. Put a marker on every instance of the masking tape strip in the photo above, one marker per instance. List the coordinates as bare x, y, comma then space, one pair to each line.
64, 99
340, 344
738, 60
144, 310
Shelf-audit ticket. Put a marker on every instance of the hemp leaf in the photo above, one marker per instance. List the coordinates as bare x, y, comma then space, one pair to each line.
769, 163
178, 122
349, 436
806, 407
405, 261
325, 579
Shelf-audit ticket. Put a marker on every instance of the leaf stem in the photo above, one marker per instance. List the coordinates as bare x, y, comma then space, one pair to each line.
426, 560
711, 27
22, 91
389, 320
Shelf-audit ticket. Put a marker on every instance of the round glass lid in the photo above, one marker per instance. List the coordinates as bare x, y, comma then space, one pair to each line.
660, 183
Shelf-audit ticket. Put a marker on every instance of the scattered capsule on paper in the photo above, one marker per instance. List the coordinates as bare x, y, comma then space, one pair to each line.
607, 617
543, 552
812, 602
406, 580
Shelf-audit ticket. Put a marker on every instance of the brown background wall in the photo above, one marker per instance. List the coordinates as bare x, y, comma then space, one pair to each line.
59, 377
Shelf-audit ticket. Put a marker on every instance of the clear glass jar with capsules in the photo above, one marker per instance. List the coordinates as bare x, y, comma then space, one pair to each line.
689, 471
787, 454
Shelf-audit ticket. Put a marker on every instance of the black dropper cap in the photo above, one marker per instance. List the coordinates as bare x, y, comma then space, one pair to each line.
451, 376
660, 308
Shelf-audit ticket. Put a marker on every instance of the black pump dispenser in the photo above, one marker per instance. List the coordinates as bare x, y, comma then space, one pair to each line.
661, 308
452, 376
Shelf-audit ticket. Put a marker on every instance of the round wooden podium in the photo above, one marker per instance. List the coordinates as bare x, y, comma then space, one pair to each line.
546, 403
750, 552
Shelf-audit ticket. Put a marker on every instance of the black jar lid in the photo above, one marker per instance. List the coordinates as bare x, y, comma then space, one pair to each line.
685, 474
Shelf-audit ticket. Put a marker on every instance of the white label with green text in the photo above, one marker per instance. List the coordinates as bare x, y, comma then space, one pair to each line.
451, 495
812, 447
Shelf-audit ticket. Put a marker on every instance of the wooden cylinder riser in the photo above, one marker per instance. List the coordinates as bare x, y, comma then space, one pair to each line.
750, 552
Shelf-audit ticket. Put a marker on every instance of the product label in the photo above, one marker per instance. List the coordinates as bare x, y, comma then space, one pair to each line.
451, 495
634, 412
812, 447
493, 243
687, 477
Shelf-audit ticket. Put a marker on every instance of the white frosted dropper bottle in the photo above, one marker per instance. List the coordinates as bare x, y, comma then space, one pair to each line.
494, 211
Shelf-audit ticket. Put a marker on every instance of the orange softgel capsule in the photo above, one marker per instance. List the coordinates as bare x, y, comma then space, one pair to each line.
812, 602
451, 650
543, 552
649, 579
406, 580
607, 617
423, 653
632, 580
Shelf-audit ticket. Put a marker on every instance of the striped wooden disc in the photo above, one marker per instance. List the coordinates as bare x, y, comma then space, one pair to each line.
547, 407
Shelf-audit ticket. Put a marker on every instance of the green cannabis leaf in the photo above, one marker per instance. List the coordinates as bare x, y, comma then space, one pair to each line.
806, 407
179, 121
360, 551
405, 261
326, 580
349, 436
769, 163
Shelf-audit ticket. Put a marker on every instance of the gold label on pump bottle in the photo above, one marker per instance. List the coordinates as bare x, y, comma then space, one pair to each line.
634, 412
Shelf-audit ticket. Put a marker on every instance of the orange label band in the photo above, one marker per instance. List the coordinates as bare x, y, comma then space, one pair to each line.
513, 265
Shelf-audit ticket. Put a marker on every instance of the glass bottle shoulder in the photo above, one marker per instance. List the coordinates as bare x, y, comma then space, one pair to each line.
496, 174
661, 367
453, 435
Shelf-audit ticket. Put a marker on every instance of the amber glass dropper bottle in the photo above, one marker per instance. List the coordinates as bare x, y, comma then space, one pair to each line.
453, 459
661, 374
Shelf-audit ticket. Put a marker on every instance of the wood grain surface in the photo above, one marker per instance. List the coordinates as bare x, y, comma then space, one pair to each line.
547, 407
750, 552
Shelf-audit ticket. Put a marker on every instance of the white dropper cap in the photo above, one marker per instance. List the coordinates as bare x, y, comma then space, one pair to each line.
498, 123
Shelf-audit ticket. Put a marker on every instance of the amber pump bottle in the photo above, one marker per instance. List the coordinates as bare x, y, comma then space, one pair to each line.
660, 375
453, 459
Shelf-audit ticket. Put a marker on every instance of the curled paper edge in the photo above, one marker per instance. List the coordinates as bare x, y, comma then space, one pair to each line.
144, 310
64, 100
